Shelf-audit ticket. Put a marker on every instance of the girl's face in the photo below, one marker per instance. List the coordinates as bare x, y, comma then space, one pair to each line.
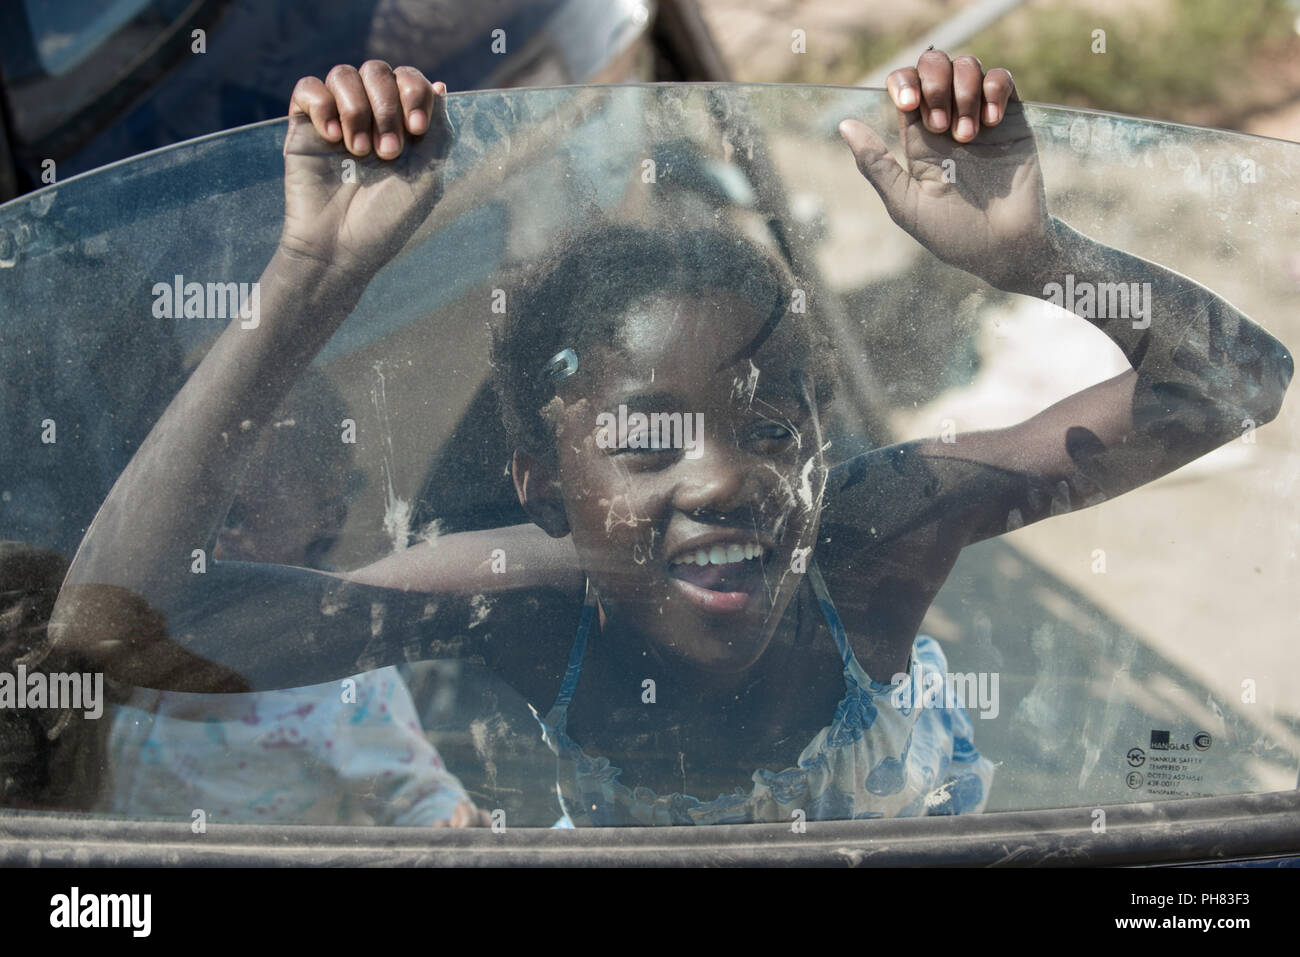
694, 549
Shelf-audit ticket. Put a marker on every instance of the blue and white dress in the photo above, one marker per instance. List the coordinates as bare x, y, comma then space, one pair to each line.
312, 755
881, 756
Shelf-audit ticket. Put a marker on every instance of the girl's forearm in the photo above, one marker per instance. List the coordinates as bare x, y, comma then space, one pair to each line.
175, 492
1183, 339
498, 559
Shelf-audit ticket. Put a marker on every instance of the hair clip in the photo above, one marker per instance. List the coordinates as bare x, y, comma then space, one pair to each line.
562, 365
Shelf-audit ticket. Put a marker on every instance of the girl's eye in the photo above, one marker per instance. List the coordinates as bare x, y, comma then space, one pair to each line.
652, 457
771, 432
635, 443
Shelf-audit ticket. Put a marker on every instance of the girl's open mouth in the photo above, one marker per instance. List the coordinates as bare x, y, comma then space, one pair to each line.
721, 578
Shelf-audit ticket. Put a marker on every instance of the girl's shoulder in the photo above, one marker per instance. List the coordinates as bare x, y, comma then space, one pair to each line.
525, 636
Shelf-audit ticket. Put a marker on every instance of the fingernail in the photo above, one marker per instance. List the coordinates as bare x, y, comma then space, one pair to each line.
938, 120
991, 113
417, 121
361, 143
388, 143
333, 130
965, 128
907, 97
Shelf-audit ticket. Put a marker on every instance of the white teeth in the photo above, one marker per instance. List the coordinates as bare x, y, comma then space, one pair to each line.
721, 555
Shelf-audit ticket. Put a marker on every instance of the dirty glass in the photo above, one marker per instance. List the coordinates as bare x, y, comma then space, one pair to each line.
630, 463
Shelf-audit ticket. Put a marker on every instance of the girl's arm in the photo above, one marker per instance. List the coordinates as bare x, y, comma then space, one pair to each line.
1202, 375
1202, 372
176, 491
498, 559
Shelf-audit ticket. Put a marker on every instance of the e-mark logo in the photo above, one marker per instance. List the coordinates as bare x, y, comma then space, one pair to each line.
214, 300
102, 910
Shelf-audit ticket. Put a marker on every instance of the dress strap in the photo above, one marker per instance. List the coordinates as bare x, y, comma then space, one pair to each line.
832, 616
571, 672
569, 685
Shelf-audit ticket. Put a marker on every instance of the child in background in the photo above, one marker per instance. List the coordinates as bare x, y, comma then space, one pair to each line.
343, 752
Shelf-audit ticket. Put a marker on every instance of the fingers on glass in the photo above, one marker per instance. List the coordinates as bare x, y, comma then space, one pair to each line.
967, 94
353, 104
952, 95
999, 90
371, 107
935, 72
416, 95
310, 97
905, 88
385, 107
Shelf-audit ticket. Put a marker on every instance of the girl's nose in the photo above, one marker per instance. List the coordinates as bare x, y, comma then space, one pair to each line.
721, 479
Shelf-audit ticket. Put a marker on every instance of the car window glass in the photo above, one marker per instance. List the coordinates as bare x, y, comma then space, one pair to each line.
704, 290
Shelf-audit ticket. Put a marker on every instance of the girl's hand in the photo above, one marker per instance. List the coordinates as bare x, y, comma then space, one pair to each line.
348, 214
970, 189
466, 814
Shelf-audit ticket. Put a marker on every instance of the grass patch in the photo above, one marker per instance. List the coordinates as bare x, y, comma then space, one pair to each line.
1160, 62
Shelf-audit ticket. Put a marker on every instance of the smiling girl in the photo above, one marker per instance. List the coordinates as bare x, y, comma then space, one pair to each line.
700, 585
682, 621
